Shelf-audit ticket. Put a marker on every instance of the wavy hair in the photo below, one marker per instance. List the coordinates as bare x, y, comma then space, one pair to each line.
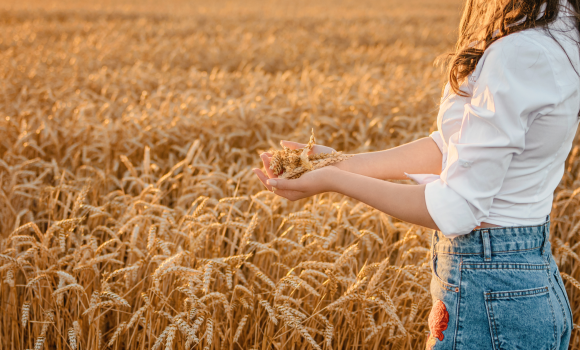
486, 21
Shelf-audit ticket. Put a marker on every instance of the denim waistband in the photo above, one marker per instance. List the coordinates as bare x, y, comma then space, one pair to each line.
494, 240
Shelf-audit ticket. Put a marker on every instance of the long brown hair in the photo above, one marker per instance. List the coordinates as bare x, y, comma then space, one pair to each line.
486, 21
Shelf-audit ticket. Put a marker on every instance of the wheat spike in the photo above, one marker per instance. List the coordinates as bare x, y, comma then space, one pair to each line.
159, 341
77, 329
208, 333
270, 310
25, 313
115, 335
117, 299
151, 237
72, 338
170, 337
9, 279
240, 328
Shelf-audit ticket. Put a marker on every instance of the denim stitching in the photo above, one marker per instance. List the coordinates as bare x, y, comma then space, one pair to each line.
504, 266
554, 321
495, 252
450, 287
550, 275
491, 320
513, 227
518, 293
565, 295
457, 307
549, 300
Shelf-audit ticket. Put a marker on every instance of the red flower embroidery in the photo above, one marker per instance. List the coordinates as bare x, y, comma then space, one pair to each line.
438, 320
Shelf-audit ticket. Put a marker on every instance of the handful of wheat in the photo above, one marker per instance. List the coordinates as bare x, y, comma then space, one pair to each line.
293, 163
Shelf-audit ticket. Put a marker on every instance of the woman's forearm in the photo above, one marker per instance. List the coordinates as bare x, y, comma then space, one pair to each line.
417, 157
405, 202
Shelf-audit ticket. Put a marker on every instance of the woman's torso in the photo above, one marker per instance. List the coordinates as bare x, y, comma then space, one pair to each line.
525, 197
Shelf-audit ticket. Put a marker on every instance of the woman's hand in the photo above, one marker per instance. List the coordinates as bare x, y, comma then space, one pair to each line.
294, 189
309, 184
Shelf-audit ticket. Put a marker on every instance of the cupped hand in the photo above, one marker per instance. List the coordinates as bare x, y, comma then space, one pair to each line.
311, 183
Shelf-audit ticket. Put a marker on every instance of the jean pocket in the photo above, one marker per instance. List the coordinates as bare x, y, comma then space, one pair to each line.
521, 319
445, 283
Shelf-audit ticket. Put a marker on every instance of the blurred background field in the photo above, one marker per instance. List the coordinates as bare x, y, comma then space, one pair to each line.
129, 214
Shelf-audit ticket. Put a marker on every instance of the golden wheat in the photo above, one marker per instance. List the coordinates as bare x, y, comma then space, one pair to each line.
293, 163
130, 216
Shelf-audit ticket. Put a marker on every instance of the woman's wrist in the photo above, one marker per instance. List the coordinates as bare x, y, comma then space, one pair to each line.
346, 165
335, 177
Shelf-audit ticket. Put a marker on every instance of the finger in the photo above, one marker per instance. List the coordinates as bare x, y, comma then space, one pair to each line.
292, 144
315, 150
266, 161
321, 149
263, 178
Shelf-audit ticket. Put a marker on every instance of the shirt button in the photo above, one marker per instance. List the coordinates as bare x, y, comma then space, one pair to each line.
465, 164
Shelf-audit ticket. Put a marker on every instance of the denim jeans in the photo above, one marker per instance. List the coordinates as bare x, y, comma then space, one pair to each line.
497, 289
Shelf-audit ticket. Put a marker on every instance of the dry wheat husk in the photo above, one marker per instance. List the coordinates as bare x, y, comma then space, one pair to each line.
293, 163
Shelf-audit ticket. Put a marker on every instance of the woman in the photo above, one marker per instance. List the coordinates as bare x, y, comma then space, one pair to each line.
486, 177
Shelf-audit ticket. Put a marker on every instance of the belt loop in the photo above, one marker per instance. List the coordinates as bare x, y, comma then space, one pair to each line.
486, 245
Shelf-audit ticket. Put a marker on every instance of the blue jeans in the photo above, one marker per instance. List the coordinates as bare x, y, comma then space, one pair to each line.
498, 289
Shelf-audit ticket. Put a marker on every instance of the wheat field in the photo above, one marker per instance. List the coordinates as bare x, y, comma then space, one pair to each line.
129, 214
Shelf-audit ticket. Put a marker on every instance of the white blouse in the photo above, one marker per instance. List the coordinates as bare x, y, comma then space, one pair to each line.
504, 147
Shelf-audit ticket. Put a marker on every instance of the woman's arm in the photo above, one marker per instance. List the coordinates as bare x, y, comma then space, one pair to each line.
406, 202
422, 156
418, 157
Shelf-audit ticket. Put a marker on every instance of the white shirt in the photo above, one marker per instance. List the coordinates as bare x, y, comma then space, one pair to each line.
504, 147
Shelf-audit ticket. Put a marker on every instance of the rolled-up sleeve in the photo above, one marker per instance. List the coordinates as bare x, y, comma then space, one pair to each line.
514, 82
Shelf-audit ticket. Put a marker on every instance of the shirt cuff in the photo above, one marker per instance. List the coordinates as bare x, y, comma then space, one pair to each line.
422, 178
449, 210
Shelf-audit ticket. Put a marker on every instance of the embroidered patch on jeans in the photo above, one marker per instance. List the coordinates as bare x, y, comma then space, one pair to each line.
438, 320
